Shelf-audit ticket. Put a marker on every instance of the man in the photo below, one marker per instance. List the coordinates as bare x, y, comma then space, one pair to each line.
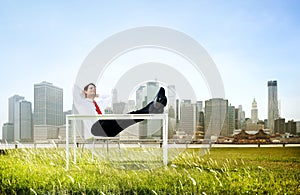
111, 128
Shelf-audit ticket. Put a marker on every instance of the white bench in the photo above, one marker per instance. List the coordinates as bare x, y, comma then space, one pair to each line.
163, 117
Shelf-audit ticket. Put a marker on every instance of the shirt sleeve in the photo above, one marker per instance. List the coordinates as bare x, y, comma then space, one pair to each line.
104, 101
81, 105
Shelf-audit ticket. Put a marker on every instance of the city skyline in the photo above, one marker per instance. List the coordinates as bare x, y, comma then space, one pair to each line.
48, 114
115, 99
251, 43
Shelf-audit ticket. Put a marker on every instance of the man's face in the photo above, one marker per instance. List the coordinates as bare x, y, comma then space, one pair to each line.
90, 92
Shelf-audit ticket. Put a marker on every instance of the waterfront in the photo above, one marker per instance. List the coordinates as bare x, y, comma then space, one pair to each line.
139, 145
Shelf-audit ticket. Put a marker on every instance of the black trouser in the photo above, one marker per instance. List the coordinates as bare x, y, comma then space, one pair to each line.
111, 128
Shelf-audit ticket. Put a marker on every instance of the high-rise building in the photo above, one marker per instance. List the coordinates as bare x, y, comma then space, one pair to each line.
188, 120
154, 127
48, 111
279, 126
273, 112
65, 113
240, 117
199, 108
266, 123
216, 117
23, 127
201, 121
12, 101
297, 127
8, 132
172, 99
48, 104
8, 128
177, 111
152, 89
144, 95
171, 113
231, 119
243, 119
254, 112
19, 127
141, 94
236, 126
291, 127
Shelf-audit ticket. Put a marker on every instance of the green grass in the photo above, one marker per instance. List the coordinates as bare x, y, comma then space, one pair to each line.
220, 171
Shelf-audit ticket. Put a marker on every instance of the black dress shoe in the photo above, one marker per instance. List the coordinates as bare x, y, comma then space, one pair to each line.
160, 101
156, 106
161, 97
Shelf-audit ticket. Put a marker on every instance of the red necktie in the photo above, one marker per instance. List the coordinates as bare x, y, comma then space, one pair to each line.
97, 107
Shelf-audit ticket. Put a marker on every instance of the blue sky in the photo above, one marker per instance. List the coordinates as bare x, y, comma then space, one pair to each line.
251, 42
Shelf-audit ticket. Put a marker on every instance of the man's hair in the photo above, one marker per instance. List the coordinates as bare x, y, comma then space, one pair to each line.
87, 86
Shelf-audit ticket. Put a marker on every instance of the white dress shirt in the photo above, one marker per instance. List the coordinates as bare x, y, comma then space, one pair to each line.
85, 106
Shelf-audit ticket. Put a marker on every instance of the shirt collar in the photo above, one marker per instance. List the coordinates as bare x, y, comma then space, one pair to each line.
88, 99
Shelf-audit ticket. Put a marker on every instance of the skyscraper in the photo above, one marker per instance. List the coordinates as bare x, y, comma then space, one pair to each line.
23, 127
141, 94
153, 126
48, 104
140, 97
152, 88
48, 111
273, 113
172, 99
241, 118
8, 128
279, 126
216, 117
8, 132
12, 101
199, 108
19, 127
188, 120
254, 112
231, 119
144, 95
